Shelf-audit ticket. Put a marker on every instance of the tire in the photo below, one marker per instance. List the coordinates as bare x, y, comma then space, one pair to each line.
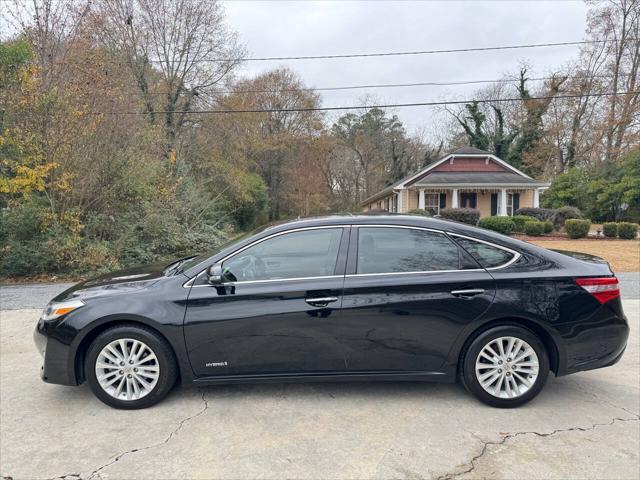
155, 367
521, 385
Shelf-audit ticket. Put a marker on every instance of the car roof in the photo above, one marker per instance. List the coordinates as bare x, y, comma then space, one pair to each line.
373, 219
360, 219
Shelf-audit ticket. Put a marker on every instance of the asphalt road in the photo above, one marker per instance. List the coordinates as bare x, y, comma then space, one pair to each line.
581, 426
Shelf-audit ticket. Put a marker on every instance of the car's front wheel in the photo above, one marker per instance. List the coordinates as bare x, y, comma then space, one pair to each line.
130, 367
505, 366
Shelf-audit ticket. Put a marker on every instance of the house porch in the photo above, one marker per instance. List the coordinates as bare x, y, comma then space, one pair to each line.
500, 201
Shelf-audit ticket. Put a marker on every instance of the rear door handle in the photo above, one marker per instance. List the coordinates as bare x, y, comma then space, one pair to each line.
467, 292
321, 301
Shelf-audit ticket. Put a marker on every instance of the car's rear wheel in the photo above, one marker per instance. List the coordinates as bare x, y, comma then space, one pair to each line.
130, 366
505, 366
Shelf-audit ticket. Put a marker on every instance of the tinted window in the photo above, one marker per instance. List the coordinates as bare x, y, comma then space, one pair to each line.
388, 250
486, 255
306, 253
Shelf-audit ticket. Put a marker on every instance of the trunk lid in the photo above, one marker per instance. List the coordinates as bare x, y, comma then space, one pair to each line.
597, 265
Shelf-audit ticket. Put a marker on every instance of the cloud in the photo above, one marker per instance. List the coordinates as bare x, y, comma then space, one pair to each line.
287, 28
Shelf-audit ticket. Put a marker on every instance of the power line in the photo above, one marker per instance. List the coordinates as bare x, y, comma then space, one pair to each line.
362, 107
381, 85
415, 52
366, 55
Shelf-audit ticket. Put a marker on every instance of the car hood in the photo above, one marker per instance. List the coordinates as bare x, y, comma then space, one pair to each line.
114, 283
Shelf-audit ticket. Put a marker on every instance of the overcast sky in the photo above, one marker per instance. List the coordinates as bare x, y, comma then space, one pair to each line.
289, 28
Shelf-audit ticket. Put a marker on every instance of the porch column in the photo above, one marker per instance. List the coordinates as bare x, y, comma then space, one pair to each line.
399, 202
421, 200
502, 211
454, 198
536, 198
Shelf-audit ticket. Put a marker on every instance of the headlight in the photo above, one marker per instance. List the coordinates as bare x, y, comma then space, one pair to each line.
57, 309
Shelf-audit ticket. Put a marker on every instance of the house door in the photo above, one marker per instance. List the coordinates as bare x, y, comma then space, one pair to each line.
468, 199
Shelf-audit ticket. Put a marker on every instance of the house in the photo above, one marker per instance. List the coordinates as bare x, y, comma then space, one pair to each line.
465, 178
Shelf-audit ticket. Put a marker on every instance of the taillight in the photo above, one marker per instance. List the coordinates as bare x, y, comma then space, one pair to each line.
602, 289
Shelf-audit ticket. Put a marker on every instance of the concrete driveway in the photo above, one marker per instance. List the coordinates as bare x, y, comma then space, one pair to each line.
581, 426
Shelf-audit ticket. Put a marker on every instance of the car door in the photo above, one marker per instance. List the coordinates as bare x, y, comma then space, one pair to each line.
276, 312
408, 292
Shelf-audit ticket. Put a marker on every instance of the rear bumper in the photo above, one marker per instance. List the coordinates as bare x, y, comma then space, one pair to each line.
55, 357
597, 343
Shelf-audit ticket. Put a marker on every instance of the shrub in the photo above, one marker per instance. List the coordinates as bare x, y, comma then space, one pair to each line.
610, 229
577, 228
520, 220
548, 226
563, 214
534, 228
537, 213
470, 216
627, 231
419, 211
502, 225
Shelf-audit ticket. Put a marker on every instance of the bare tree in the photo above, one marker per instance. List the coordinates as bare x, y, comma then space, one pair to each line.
182, 48
618, 22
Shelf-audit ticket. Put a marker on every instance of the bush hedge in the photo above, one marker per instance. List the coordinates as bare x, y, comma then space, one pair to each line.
419, 211
520, 220
627, 231
610, 229
502, 225
537, 213
548, 226
534, 228
470, 216
577, 228
563, 214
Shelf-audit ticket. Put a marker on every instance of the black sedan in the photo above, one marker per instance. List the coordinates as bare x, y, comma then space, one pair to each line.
341, 298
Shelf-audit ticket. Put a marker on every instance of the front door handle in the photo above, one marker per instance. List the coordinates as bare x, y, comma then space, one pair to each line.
467, 292
321, 301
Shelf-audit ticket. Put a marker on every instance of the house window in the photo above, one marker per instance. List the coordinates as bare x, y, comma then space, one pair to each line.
510, 204
432, 203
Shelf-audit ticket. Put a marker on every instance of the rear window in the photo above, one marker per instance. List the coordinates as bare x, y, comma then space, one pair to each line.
486, 255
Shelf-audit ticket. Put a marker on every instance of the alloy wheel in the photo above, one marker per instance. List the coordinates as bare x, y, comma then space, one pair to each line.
127, 369
507, 367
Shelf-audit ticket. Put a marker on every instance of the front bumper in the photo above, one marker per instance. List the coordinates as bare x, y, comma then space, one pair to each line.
57, 361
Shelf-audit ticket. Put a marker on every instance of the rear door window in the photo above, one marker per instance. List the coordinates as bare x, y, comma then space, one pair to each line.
404, 250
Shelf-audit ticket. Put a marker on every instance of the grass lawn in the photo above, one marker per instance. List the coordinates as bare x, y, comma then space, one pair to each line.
622, 255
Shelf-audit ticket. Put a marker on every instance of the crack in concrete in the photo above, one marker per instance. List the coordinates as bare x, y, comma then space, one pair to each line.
471, 465
164, 442
96, 473
608, 402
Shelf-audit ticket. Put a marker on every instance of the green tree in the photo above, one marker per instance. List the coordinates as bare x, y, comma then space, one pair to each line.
509, 131
612, 193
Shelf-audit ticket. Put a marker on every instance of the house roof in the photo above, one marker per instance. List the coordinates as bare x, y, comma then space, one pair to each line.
469, 151
476, 178
512, 177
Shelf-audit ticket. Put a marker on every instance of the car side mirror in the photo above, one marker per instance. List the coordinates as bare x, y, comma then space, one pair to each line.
214, 274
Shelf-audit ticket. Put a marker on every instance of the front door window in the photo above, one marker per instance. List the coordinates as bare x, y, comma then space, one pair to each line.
301, 254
